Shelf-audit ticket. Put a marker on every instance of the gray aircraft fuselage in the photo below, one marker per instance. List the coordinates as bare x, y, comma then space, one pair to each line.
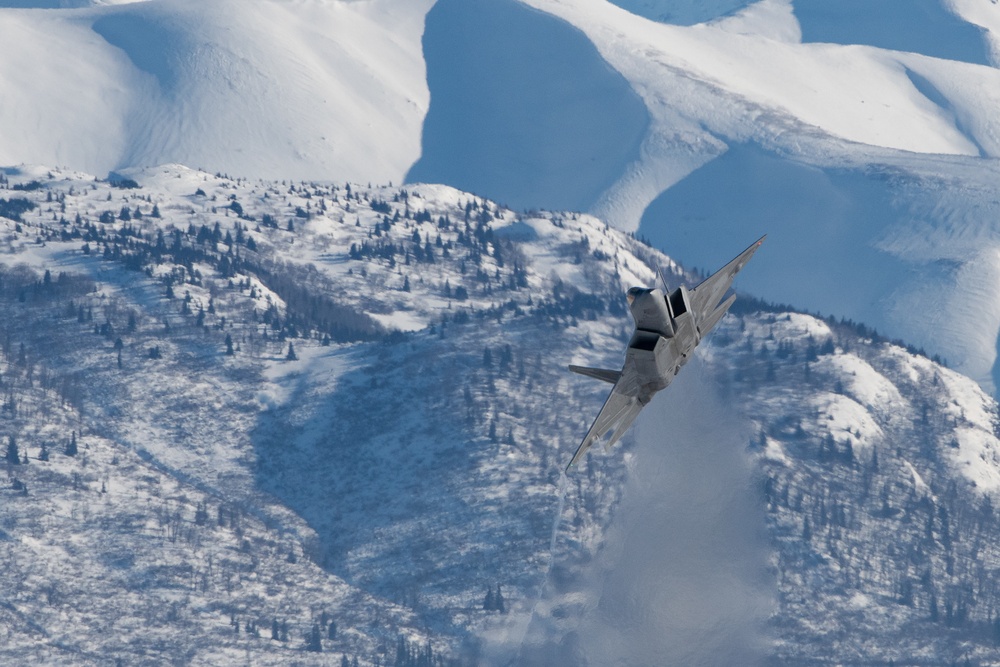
665, 336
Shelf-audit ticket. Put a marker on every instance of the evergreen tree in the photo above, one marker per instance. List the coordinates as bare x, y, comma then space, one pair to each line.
331, 633
489, 603
498, 601
314, 643
71, 449
13, 455
275, 628
229, 346
291, 356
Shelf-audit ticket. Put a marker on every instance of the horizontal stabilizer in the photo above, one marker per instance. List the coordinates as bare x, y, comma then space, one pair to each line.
598, 373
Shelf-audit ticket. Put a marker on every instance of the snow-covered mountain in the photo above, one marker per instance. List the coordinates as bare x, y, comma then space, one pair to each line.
862, 137
384, 444
276, 89
248, 417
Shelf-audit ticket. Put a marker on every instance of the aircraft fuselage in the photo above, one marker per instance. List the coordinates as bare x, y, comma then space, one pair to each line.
664, 339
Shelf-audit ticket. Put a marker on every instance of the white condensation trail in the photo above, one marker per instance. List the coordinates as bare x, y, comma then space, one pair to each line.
681, 579
560, 506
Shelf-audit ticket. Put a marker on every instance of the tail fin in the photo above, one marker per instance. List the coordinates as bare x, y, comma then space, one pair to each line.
717, 314
597, 373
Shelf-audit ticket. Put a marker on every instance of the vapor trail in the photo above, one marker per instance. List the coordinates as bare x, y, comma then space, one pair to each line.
681, 580
560, 506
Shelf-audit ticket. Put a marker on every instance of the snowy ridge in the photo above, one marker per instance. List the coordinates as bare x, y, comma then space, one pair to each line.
422, 468
341, 90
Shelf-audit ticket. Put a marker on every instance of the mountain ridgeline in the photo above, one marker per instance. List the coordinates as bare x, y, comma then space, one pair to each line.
289, 419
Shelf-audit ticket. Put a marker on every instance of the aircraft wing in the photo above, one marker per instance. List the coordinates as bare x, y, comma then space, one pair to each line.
618, 413
706, 296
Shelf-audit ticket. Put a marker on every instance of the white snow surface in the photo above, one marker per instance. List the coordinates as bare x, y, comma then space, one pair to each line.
325, 89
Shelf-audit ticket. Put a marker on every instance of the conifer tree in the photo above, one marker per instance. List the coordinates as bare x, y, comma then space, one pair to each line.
314, 643
71, 448
13, 455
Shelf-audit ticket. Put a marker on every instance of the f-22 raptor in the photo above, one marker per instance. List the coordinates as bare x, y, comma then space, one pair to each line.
668, 327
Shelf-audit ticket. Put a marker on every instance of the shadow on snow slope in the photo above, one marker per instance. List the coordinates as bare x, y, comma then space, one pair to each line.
523, 108
918, 26
391, 465
682, 12
821, 225
152, 45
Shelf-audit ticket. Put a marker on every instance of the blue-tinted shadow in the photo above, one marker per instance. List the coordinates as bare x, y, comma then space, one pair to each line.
918, 26
820, 224
682, 12
523, 108
149, 43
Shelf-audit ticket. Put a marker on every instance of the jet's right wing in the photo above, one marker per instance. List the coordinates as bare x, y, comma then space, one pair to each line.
706, 296
618, 413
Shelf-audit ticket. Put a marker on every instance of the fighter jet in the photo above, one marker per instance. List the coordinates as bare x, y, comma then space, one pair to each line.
668, 327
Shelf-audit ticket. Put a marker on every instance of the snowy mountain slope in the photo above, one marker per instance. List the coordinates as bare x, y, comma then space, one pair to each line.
746, 79
422, 468
899, 246
870, 125
754, 86
878, 491
217, 424
623, 109
320, 90
112, 555
873, 441
530, 115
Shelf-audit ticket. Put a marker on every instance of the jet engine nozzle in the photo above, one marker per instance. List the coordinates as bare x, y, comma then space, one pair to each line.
634, 294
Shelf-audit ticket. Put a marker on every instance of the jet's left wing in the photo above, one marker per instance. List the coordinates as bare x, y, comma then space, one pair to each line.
618, 413
706, 296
